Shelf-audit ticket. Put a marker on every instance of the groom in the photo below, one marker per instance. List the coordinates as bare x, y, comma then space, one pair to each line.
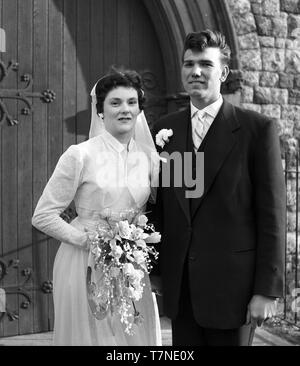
222, 252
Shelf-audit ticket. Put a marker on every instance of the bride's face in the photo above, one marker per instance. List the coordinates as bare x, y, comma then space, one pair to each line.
120, 110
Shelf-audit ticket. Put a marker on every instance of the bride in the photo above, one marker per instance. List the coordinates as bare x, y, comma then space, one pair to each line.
106, 181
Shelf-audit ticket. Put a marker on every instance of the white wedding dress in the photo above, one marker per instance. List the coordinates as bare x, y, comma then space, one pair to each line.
105, 180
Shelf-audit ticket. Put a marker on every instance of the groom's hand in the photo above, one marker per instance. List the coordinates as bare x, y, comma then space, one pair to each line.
260, 308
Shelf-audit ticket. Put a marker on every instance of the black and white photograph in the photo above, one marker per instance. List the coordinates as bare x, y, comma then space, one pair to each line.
149, 176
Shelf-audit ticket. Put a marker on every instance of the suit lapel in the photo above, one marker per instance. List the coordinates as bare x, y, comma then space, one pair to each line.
178, 143
216, 145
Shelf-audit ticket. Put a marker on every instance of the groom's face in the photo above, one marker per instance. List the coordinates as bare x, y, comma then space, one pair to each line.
202, 73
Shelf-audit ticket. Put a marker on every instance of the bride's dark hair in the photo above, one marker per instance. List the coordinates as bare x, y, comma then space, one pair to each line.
116, 78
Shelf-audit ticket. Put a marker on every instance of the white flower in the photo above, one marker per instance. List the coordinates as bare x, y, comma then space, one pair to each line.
135, 279
136, 276
163, 136
137, 295
134, 294
123, 282
137, 233
96, 251
124, 229
142, 220
153, 238
129, 291
116, 250
130, 257
128, 269
138, 256
141, 243
140, 274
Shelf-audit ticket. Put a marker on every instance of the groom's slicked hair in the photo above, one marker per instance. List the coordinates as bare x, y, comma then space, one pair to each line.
115, 78
198, 41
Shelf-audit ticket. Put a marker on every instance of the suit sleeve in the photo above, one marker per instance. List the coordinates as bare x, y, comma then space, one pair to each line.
270, 213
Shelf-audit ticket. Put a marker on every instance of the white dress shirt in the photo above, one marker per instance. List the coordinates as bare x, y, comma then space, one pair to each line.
207, 115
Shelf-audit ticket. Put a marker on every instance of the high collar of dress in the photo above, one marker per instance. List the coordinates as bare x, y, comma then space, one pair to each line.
116, 144
212, 109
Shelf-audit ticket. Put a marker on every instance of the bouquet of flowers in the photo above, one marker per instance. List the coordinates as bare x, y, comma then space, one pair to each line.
121, 255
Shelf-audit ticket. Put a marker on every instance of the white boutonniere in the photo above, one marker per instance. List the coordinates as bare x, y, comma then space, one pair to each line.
162, 137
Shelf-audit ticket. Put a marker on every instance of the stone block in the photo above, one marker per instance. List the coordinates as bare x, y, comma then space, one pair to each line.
280, 96
291, 249
293, 44
291, 216
257, 9
263, 95
291, 242
264, 26
290, 6
293, 23
279, 26
280, 42
252, 107
239, 7
297, 82
251, 78
296, 132
292, 201
244, 24
290, 112
273, 59
247, 94
294, 97
251, 60
292, 61
289, 145
268, 78
267, 41
271, 110
266, 7
270, 7
285, 127
286, 80
295, 34
248, 41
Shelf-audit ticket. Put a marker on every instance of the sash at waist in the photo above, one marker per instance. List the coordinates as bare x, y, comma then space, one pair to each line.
88, 223
91, 219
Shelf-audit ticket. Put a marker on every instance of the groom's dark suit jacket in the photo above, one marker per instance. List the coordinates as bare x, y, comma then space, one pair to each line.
231, 240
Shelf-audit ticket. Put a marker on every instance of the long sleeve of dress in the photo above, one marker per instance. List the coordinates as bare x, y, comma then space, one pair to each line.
57, 195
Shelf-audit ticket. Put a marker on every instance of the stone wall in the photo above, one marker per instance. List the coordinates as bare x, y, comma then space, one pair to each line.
268, 34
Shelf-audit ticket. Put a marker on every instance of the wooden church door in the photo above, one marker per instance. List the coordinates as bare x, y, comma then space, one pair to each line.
55, 52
